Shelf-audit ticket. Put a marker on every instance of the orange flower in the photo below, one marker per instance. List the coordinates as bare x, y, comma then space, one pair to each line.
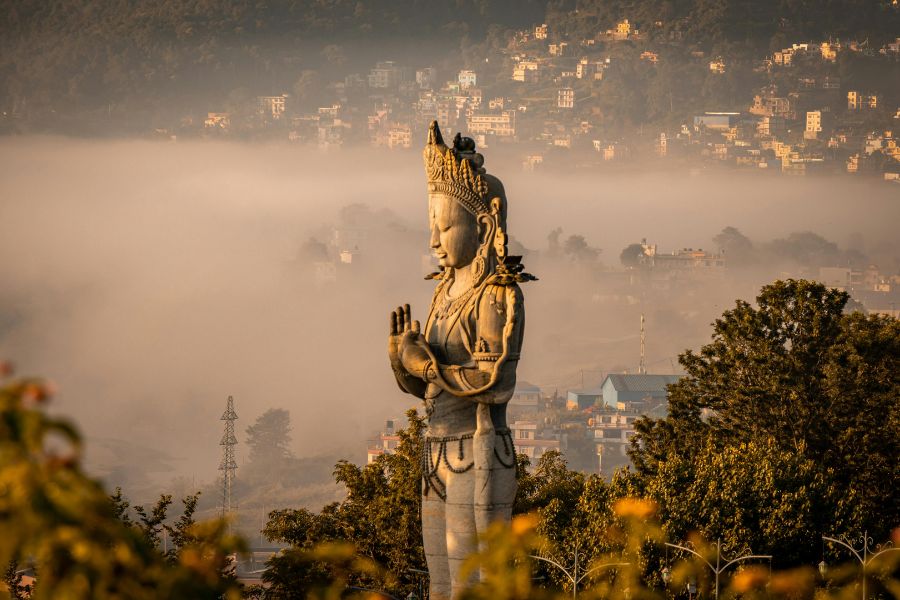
635, 507
749, 579
523, 524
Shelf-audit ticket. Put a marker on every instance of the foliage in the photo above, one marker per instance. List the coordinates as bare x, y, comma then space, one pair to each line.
269, 439
737, 247
631, 255
379, 517
55, 517
785, 427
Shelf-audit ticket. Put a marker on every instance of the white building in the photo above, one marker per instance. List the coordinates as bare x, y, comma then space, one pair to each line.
271, 106
467, 79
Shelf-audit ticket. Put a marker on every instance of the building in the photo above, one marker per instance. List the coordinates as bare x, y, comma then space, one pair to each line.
813, 125
829, 51
271, 106
717, 66
526, 397
662, 145
467, 79
639, 392
426, 78
385, 75
650, 57
623, 30
583, 399
386, 442
686, 261
532, 162
559, 49
526, 71
836, 277
611, 433
771, 106
589, 69
502, 124
771, 126
565, 98
217, 121
399, 136
860, 101
541, 32
533, 440
718, 121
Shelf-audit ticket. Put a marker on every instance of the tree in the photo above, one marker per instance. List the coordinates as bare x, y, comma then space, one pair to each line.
576, 248
269, 439
379, 517
737, 247
807, 249
631, 255
793, 376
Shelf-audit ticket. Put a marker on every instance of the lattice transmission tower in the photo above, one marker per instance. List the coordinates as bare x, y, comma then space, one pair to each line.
228, 465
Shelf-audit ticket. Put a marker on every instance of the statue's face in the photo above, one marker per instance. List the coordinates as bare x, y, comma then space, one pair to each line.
454, 232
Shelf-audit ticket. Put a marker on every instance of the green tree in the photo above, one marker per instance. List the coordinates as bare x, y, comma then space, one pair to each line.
379, 517
792, 376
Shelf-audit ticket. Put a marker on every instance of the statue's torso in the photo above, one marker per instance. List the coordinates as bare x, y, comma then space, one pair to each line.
452, 337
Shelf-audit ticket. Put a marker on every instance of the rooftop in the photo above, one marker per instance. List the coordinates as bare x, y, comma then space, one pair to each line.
641, 382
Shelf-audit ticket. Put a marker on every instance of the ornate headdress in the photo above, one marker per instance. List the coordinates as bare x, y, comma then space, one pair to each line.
457, 171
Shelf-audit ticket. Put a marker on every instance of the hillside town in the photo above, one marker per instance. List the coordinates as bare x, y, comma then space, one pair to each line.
543, 95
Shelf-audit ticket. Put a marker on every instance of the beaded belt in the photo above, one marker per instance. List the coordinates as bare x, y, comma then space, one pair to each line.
430, 463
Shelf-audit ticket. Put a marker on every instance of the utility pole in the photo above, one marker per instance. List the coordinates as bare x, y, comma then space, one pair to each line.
228, 465
641, 369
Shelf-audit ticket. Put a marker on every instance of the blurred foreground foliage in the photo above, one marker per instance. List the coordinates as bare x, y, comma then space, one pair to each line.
61, 523
508, 564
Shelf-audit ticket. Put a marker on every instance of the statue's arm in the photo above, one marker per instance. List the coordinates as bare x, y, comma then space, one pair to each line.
497, 325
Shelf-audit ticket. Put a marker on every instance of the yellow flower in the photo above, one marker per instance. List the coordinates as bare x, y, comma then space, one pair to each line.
523, 524
749, 579
634, 507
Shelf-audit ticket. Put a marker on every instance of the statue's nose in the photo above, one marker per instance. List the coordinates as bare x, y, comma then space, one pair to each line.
435, 238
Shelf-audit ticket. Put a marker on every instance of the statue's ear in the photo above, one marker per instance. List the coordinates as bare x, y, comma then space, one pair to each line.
486, 225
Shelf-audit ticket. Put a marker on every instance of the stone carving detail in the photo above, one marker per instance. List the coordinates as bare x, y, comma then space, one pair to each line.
463, 364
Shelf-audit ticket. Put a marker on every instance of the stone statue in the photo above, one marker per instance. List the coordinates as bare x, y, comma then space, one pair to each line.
464, 362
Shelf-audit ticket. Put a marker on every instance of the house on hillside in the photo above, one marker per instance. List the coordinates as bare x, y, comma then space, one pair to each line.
642, 392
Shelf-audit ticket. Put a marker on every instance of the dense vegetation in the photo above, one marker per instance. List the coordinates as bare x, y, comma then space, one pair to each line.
82, 65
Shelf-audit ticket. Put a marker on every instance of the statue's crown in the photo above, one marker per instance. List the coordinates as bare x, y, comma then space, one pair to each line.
456, 171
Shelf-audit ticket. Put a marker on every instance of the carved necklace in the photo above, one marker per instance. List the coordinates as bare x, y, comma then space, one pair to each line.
450, 306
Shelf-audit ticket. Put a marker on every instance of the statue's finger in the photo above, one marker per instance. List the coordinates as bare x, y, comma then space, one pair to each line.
400, 325
416, 327
393, 323
407, 320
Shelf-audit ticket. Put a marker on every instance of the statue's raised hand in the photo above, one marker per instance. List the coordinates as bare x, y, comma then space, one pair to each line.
398, 327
